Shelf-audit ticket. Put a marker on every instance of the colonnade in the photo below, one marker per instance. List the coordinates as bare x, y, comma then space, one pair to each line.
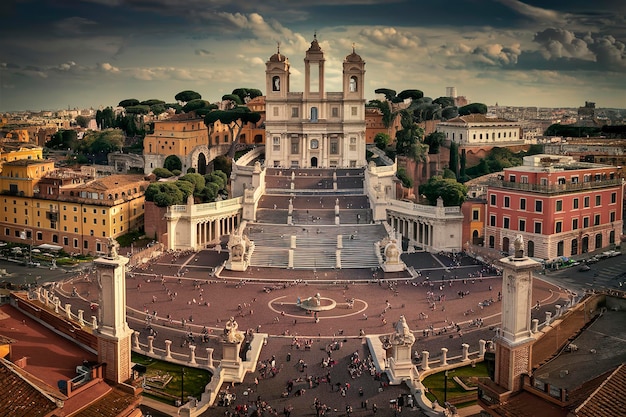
209, 230
418, 231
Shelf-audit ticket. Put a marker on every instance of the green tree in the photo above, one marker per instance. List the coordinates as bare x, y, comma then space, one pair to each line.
197, 180
246, 94
434, 141
186, 188
82, 121
454, 157
129, 102
101, 142
63, 139
473, 108
173, 162
162, 173
382, 140
216, 179
197, 104
412, 94
444, 101
186, 96
388, 93
408, 137
210, 192
452, 192
223, 164
407, 182
235, 119
105, 118
165, 194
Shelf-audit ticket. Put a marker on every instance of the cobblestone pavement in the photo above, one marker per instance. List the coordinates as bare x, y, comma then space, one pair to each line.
182, 286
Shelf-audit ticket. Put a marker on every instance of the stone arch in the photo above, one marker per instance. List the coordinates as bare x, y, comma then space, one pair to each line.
258, 139
314, 162
202, 164
585, 244
531, 248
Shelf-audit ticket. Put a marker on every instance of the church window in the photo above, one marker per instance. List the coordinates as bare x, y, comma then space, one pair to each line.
276, 83
276, 143
314, 114
334, 146
294, 112
352, 144
295, 148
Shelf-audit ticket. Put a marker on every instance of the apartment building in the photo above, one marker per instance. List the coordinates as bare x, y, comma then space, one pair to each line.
561, 207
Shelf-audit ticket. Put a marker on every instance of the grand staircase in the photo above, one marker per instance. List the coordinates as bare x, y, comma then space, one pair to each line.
314, 219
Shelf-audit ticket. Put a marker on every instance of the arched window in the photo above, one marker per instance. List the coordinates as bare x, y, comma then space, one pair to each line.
353, 84
275, 83
598, 241
492, 241
531, 248
574, 250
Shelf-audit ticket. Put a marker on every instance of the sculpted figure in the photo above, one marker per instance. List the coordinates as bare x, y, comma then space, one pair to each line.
231, 332
403, 333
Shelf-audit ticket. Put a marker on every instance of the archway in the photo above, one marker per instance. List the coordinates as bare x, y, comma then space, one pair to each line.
598, 241
531, 249
258, 139
201, 164
585, 244
505, 245
475, 237
314, 162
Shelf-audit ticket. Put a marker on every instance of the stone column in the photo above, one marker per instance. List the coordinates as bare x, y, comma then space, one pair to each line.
46, 299
558, 310
81, 318
168, 349
425, 355
150, 346
136, 343
535, 325
209, 354
444, 356
465, 352
68, 311
192, 354
57, 303
481, 348
548, 317
94, 322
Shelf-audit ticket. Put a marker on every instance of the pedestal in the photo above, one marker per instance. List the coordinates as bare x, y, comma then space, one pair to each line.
401, 365
231, 363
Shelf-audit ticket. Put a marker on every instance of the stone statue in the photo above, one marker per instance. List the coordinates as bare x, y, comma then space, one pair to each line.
392, 253
232, 334
237, 245
403, 335
518, 243
113, 245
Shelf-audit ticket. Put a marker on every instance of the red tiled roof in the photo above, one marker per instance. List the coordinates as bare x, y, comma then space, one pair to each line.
609, 399
19, 397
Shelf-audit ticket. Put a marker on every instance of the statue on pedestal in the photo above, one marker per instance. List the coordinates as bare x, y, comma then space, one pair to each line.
112, 246
232, 334
403, 335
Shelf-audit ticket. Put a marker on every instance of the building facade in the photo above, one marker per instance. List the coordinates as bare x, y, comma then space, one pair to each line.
479, 130
315, 128
560, 206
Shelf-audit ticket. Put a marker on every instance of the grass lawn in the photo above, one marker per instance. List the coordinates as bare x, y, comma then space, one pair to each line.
166, 379
468, 374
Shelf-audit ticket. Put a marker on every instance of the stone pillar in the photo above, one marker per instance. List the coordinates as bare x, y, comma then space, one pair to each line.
465, 352
94, 322
444, 356
425, 355
548, 317
558, 310
209, 354
68, 311
136, 337
46, 299
150, 346
81, 318
192, 354
535, 325
481, 348
168, 349
57, 303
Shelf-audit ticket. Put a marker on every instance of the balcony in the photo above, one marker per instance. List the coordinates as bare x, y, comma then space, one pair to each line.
555, 188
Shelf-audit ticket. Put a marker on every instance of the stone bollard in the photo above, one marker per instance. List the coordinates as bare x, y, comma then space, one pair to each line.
136, 342
57, 303
168, 349
46, 299
192, 354
444, 356
209, 355
94, 322
150, 346
425, 355
481, 348
68, 311
548, 317
81, 318
558, 310
465, 356
534, 325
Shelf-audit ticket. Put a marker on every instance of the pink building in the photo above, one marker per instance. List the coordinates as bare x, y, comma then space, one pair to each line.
560, 206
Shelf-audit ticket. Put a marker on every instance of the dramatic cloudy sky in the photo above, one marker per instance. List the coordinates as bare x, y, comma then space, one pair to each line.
91, 53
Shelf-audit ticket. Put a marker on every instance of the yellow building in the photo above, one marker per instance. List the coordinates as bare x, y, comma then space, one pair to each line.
13, 151
40, 205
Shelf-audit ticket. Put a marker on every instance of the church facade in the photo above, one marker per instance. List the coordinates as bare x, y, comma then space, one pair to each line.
315, 128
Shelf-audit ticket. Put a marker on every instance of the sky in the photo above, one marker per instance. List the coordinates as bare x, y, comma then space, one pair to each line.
59, 54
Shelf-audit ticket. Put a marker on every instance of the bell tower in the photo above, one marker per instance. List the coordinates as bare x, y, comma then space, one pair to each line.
277, 76
514, 340
353, 76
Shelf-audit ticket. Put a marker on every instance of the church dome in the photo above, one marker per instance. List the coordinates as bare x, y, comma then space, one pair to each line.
278, 57
354, 57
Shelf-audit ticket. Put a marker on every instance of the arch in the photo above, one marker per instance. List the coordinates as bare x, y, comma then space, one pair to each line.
574, 250
258, 139
531, 249
201, 164
475, 237
598, 241
314, 162
585, 244
505, 245
275, 83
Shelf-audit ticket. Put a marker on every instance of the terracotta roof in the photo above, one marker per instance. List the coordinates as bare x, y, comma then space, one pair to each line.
609, 399
477, 118
114, 404
19, 397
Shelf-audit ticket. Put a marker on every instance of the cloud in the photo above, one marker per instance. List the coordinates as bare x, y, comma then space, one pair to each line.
533, 12
106, 67
496, 54
390, 37
607, 52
